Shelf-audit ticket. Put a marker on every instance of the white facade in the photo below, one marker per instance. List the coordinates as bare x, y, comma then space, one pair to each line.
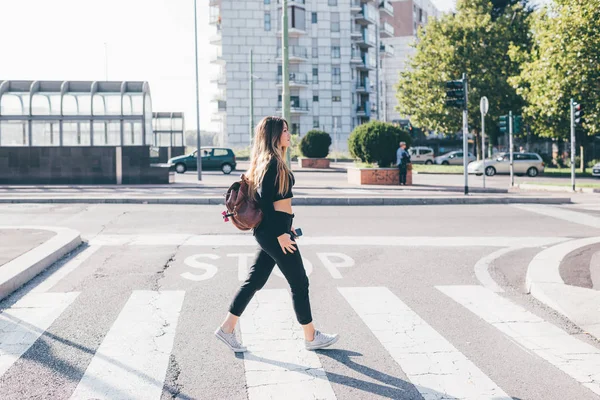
414, 13
333, 52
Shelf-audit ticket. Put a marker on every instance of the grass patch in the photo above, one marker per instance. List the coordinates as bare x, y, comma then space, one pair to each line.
566, 172
565, 184
438, 169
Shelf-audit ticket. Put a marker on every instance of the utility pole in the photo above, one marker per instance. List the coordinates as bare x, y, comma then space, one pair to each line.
198, 140
377, 62
465, 134
572, 104
484, 107
251, 99
510, 145
285, 95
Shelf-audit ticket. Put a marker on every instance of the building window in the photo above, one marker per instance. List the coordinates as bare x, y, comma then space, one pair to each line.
315, 122
336, 75
315, 97
315, 48
314, 18
335, 22
267, 21
267, 2
295, 128
315, 74
335, 48
332, 2
336, 96
298, 20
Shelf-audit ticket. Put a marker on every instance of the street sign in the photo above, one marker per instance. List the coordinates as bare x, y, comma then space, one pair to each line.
484, 105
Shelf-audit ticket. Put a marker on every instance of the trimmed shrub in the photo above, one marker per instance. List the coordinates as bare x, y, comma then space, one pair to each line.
315, 144
377, 142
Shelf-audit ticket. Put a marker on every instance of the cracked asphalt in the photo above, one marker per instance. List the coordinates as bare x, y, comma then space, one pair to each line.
359, 367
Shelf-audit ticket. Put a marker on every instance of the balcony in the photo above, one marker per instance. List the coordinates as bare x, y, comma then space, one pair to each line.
217, 37
363, 86
293, 2
364, 110
214, 19
297, 80
356, 31
386, 7
219, 79
366, 63
217, 58
213, 3
221, 106
297, 106
365, 16
219, 96
356, 57
355, 6
386, 50
386, 30
295, 54
366, 40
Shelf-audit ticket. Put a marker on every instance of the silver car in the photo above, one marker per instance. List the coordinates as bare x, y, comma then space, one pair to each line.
524, 163
453, 158
596, 170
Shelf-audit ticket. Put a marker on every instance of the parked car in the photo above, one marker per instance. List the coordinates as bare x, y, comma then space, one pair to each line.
453, 158
213, 158
421, 155
596, 170
524, 163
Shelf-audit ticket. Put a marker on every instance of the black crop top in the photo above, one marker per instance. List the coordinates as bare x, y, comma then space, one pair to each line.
270, 194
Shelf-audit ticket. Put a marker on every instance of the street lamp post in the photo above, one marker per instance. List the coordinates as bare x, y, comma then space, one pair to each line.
285, 95
251, 98
484, 107
198, 140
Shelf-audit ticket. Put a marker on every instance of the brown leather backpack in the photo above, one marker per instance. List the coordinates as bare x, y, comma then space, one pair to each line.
245, 213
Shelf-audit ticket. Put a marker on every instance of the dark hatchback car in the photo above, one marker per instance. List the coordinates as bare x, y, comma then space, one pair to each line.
213, 158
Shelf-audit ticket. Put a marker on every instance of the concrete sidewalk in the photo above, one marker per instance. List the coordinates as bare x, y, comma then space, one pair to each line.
25, 251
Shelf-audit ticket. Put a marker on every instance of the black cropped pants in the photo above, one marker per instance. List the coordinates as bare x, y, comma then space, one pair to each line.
290, 265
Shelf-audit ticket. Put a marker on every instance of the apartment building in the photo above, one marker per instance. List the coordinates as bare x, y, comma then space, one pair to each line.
333, 46
407, 17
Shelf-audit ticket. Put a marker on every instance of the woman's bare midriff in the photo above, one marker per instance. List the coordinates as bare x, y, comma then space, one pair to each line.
284, 205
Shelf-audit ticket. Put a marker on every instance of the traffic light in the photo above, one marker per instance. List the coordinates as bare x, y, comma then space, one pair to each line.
578, 113
517, 122
504, 123
455, 94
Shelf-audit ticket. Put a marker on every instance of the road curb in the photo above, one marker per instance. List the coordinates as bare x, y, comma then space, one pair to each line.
526, 187
22, 269
544, 282
300, 200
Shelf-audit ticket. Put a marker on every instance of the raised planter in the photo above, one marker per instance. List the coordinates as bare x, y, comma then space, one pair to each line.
377, 176
321, 163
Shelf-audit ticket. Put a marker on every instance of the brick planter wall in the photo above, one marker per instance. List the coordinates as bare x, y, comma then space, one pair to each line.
377, 176
322, 163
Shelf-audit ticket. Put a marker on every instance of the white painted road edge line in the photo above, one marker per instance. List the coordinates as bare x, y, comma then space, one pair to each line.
26, 320
482, 269
436, 368
133, 358
277, 365
394, 241
22, 269
561, 213
577, 359
65, 270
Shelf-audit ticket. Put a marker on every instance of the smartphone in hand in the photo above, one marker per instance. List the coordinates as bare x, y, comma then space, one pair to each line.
297, 234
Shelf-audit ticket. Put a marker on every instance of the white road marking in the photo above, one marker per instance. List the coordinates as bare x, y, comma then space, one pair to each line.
278, 366
243, 264
436, 368
394, 241
333, 265
577, 359
562, 213
482, 269
65, 270
210, 270
356, 191
26, 320
133, 358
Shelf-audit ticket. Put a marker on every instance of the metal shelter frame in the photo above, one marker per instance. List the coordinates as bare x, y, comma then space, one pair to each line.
75, 113
168, 123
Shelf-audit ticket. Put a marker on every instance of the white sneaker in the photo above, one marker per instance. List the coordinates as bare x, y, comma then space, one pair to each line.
230, 340
321, 340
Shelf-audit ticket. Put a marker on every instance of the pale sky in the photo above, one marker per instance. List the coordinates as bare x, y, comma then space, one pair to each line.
146, 40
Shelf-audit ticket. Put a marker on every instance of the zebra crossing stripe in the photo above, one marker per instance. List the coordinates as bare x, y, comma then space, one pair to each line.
26, 320
436, 368
577, 359
133, 358
277, 365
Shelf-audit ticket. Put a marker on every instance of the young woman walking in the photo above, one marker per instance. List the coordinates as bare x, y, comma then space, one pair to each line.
272, 181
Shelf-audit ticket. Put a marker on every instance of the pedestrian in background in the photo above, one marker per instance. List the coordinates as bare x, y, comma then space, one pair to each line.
271, 184
402, 161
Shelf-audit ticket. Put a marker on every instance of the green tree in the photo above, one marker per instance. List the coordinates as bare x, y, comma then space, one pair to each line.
563, 63
315, 144
377, 142
475, 40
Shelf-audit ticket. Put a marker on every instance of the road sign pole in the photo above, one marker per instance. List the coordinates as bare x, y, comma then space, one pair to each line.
510, 144
573, 144
198, 134
465, 134
285, 95
483, 107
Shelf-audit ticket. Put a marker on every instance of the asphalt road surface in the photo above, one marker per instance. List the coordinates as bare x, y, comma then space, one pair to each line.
131, 315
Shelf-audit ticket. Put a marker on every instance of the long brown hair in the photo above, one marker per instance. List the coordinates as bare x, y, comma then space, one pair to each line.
267, 138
